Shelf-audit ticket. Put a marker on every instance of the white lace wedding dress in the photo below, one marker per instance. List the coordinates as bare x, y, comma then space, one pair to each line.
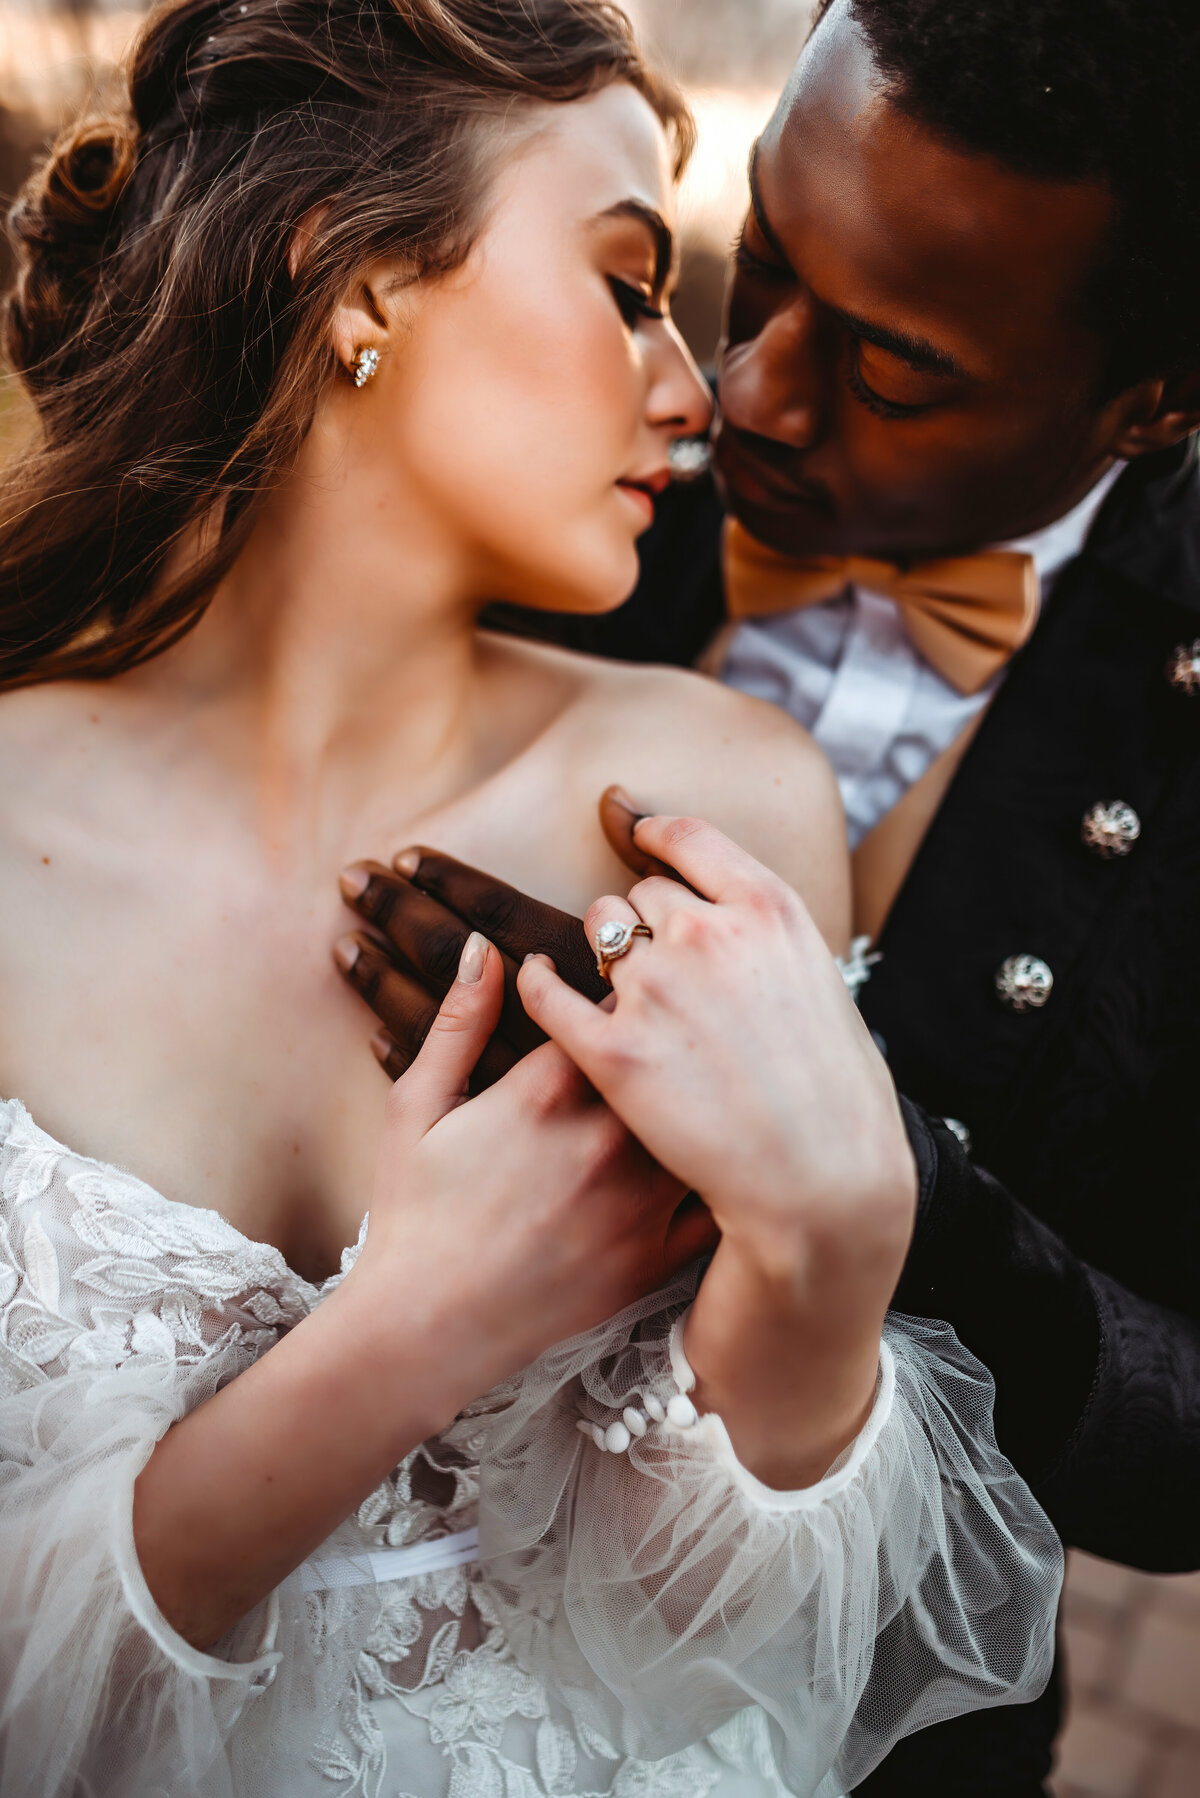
514, 1613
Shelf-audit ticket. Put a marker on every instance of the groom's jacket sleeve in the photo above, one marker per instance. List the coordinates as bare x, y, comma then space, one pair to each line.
1097, 1390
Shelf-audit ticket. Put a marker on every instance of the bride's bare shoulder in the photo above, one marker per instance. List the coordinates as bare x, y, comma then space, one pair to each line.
680, 742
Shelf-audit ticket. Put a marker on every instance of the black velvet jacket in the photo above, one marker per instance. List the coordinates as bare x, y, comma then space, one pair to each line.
1072, 1265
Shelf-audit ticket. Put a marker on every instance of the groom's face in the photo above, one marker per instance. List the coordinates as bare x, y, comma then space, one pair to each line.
908, 365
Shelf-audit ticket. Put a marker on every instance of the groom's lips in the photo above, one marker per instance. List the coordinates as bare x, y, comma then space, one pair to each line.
750, 474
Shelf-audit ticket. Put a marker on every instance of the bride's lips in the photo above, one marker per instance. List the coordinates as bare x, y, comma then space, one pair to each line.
644, 491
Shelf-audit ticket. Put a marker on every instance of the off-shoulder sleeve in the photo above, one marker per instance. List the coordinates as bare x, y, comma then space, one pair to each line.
661, 1590
118, 1316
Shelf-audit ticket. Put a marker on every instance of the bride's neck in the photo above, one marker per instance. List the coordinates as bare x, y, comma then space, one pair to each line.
341, 643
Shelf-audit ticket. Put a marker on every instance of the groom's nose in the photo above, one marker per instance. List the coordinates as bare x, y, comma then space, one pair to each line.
773, 384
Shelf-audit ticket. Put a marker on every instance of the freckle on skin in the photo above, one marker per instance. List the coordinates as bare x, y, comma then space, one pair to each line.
45, 861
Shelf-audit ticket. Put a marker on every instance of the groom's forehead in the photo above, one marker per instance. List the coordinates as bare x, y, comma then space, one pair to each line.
981, 256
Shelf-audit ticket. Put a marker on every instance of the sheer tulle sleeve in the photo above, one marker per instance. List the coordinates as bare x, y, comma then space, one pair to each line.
120, 1313
661, 1591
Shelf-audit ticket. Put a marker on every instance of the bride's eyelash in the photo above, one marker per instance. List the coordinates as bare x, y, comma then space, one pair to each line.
633, 304
866, 396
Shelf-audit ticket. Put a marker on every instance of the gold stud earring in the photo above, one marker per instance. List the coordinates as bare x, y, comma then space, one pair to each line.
363, 364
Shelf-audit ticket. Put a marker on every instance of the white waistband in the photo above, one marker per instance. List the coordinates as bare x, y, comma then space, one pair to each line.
376, 1566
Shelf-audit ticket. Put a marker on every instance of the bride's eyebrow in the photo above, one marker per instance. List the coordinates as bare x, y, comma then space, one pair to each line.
660, 232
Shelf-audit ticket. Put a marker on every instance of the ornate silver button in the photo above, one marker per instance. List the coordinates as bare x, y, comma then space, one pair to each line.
1111, 829
1183, 669
1024, 982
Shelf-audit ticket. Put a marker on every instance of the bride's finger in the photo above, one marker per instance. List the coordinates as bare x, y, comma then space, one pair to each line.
609, 908
657, 899
579, 1027
438, 1079
713, 865
614, 916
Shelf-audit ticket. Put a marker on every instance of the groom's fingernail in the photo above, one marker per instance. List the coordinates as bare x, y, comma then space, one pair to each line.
354, 881
470, 968
620, 797
407, 862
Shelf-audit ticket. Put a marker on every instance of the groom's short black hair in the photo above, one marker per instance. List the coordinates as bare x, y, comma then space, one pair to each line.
1076, 89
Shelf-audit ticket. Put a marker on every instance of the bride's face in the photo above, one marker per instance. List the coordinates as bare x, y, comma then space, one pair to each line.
526, 402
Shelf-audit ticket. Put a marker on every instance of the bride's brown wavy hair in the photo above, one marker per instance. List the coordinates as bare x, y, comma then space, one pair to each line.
175, 361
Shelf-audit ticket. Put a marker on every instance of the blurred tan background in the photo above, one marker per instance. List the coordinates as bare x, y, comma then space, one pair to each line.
1133, 1642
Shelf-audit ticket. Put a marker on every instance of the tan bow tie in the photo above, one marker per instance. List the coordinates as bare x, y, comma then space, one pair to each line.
966, 614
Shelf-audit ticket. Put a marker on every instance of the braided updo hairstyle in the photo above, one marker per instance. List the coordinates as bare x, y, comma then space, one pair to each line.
175, 362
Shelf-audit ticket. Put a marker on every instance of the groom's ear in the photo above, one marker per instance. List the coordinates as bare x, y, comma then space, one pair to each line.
1158, 413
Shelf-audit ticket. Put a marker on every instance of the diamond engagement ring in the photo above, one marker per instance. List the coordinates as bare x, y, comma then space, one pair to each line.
613, 940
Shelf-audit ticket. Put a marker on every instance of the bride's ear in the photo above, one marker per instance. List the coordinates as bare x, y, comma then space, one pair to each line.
361, 321
371, 317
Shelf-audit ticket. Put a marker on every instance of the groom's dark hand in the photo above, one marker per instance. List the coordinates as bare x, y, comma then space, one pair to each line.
420, 912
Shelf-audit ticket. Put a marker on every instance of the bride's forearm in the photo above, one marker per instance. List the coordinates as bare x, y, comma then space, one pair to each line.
788, 1355
245, 1487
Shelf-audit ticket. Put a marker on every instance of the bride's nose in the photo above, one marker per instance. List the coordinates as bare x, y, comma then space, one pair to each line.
679, 394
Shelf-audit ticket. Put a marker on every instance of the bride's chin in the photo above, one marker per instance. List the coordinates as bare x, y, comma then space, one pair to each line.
613, 570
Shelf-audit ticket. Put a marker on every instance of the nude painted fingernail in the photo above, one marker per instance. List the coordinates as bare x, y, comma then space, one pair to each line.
346, 952
354, 881
407, 862
470, 968
382, 1046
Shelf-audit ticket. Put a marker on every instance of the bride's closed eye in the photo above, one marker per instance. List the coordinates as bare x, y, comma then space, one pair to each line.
633, 304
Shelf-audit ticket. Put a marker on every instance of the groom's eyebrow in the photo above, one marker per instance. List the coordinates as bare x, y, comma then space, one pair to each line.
917, 352
661, 233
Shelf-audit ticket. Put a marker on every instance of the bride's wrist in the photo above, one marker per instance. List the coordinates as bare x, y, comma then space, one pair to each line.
808, 1242
788, 1361
415, 1337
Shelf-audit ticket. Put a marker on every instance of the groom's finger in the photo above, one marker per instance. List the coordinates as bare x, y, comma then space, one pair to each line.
429, 939
517, 924
619, 818
402, 1005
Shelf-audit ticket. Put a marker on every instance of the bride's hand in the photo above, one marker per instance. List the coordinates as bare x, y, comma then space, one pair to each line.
531, 1207
735, 1053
